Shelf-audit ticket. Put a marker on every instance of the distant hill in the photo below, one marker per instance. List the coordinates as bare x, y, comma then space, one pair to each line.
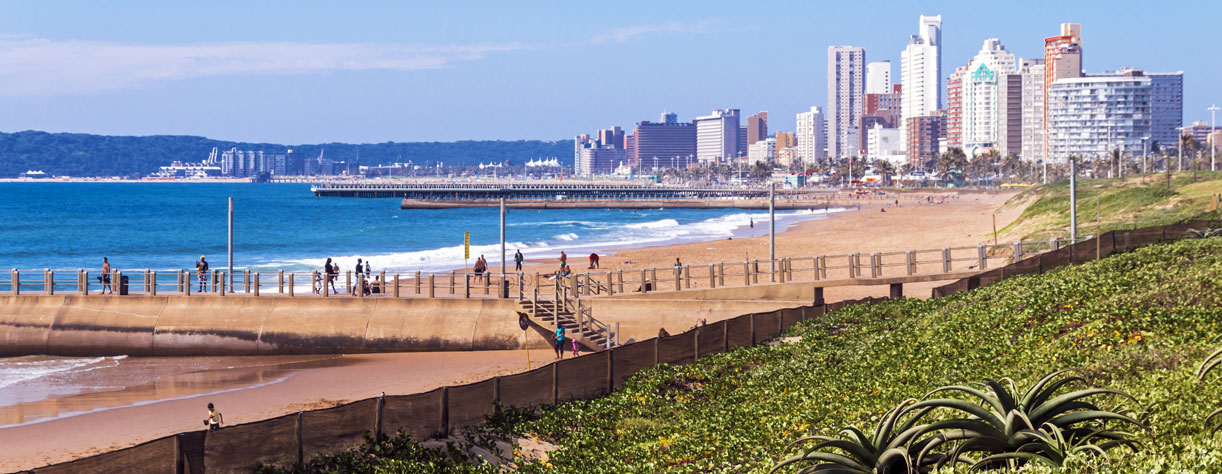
78, 154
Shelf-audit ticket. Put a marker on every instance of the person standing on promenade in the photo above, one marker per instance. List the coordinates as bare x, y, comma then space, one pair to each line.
360, 274
517, 261
368, 269
331, 271
558, 342
678, 266
201, 269
480, 267
593, 260
105, 276
214, 420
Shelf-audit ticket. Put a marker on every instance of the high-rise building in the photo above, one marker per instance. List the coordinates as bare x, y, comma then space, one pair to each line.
810, 133
1033, 111
1166, 106
757, 127
742, 142
763, 151
1090, 115
717, 136
924, 134
954, 108
884, 109
980, 96
921, 71
845, 94
785, 140
1010, 111
612, 137
669, 141
878, 77
1062, 60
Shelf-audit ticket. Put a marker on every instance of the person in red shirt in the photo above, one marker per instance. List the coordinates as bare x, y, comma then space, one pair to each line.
594, 260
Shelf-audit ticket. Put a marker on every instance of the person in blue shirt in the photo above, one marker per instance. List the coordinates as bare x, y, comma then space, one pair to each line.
558, 343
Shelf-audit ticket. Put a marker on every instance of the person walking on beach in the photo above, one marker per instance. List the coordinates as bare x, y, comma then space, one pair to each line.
593, 260
105, 276
558, 342
575, 351
214, 420
201, 269
564, 259
517, 261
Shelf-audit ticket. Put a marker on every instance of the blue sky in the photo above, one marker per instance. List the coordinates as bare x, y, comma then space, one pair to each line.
314, 72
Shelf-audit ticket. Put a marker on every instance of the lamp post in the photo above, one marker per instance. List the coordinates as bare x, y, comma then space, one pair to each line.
1144, 152
1213, 130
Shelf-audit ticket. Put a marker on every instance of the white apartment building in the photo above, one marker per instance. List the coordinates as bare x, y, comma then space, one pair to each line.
1033, 112
921, 71
763, 151
846, 87
884, 144
1087, 116
980, 96
878, 77
811, 136
717, 136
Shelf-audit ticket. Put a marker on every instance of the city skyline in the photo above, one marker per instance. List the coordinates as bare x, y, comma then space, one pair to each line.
317, 73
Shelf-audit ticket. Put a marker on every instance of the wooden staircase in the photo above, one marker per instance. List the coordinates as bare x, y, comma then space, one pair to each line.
573, 315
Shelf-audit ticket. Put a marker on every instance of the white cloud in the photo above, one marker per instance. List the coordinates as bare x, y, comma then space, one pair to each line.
31, 66
628, 33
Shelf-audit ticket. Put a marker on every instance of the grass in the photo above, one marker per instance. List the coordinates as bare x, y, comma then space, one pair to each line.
1138, 322
1121, 204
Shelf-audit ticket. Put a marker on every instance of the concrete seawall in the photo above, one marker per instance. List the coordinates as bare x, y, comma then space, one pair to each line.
192, 326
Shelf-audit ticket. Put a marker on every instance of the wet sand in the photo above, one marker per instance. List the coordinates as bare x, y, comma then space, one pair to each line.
354, 377
966, 220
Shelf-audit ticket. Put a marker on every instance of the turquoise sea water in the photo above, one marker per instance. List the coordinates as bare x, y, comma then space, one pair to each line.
166, 226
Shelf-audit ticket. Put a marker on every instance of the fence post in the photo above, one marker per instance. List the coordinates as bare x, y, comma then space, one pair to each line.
280, 281
417, 282
48, 281
180, 280
946, 260
621, 280
555, 383
687, 277
153, 285
186, 286
678, 271
610, 367
382, 278
712, 276
643, 281
657, 350
752, 318
755, 271
781, 271
721, 274
910, 258
291, 285
452, 285
348, 282
396, 285
432, 292
984, 261
256, 284
146, 280
1054, 243
223, 282
876, 265
81, 282
696, 344
725, 336
852, 266
300, 445
1018, 251
610, 283
466, 285
747, 273
445, 410
377, 417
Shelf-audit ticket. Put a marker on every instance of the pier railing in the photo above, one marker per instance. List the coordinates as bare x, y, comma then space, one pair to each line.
830, 270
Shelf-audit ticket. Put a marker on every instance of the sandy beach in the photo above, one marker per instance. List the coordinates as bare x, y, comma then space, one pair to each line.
963, 219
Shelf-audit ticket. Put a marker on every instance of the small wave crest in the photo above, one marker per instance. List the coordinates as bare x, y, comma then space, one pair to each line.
23, 369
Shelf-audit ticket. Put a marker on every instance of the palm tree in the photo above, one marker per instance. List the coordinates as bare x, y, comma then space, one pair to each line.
952, 160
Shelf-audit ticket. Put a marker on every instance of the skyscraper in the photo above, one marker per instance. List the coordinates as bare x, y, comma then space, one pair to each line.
1033, 111
1088, 116
980, 95
921, 71
757, 127
1166, 106
845, 90
810, 136
717, 136
669, 141
1062, 60
878, 77
953, 126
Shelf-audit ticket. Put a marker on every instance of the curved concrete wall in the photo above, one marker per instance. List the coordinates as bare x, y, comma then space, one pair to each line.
211, 325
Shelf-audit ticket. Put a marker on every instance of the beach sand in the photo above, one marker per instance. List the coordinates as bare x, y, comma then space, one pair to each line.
963, 220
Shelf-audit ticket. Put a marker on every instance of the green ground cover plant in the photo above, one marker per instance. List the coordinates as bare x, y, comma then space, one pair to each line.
1139, 324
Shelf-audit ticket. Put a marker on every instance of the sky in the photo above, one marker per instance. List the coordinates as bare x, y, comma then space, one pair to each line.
367, 72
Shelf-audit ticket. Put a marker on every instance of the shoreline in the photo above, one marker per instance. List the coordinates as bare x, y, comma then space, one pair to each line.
962, 220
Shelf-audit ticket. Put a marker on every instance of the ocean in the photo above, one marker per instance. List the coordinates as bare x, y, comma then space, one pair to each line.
166, 226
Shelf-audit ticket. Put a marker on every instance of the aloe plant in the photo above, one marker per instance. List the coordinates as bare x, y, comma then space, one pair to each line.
1051, 446
1212, 362
890, 450
1204, 233
1007, 427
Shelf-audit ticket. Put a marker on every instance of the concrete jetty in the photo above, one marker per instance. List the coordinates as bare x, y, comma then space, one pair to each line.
748, 204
